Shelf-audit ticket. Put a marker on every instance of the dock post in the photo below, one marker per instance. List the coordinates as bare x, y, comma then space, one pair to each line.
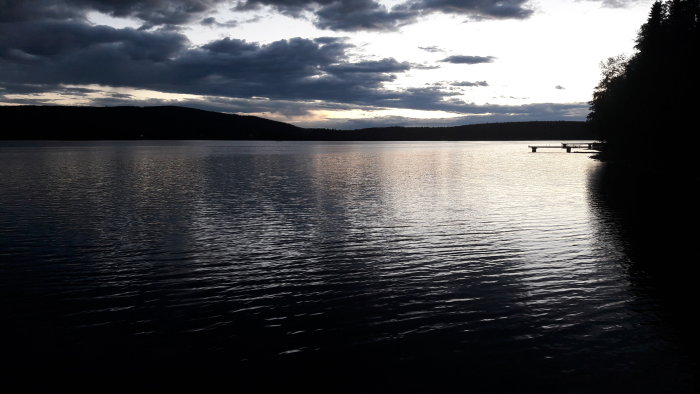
568, 149
534, 149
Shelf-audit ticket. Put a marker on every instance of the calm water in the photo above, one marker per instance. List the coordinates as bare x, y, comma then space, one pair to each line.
458, 266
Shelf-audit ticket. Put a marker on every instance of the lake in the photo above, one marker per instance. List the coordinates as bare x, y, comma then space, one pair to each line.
337, 267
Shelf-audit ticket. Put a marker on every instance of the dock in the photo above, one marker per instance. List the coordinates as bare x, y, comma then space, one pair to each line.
594, 146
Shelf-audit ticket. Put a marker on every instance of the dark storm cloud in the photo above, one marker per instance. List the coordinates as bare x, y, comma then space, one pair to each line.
361, 15
480, 9
47, 41
353, 15
52, 54
153, 12
342, 15
25, 10
168, 13
296, 68
461, 59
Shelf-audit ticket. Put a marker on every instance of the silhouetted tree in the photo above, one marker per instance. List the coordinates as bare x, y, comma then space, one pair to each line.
650, 38
650, 99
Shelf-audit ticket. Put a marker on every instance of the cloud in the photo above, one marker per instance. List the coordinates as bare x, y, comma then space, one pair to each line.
168, 13
470, 84
424, 66
361, 15
462, 59
164, 13
49, 46
479, 9
432, 49
476, 114
26, 10
616, 3
213, 22
278, 109
340, 15
54, 54
38, 42
302, 112
387, 65
559, 87
354, 15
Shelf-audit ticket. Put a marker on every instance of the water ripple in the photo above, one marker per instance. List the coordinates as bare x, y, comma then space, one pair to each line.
480, 257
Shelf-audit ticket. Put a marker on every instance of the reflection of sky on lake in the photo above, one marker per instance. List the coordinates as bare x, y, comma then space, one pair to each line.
477, 255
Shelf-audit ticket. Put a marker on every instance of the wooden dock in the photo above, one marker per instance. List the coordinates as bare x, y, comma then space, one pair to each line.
594, 146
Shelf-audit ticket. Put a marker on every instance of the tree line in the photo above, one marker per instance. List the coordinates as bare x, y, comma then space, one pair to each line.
646, 105
179, 123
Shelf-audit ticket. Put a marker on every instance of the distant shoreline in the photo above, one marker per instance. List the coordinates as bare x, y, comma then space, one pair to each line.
62, 123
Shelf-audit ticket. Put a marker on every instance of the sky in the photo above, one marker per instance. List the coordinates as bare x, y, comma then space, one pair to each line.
324, 63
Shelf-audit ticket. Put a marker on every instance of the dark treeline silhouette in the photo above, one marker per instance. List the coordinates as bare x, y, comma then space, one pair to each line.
645, 106
174, 123
508, 131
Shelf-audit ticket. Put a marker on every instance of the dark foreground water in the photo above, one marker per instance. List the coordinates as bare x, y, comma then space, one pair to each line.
357, 267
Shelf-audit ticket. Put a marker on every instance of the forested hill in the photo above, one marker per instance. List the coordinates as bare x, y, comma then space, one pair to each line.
133, 123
